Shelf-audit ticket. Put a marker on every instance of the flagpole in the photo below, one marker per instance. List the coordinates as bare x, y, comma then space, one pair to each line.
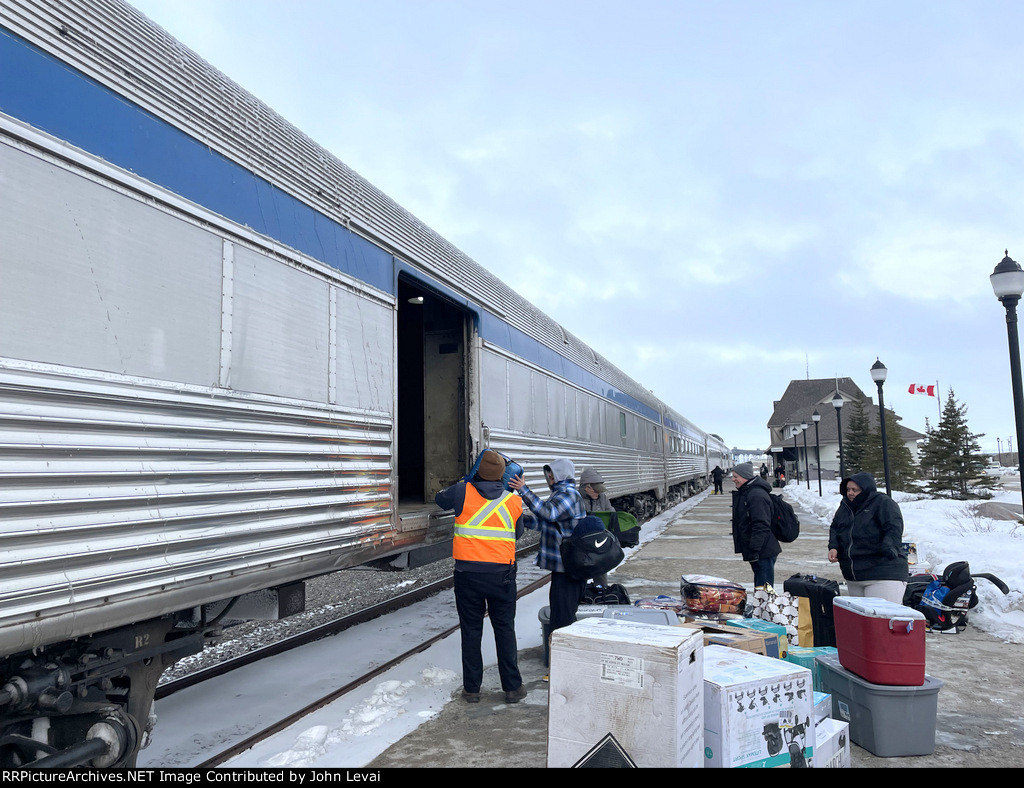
938, 400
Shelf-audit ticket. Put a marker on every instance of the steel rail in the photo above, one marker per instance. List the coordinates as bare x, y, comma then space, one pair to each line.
313, 634
291, 719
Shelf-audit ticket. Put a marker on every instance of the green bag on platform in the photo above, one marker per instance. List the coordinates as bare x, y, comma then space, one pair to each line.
623, 525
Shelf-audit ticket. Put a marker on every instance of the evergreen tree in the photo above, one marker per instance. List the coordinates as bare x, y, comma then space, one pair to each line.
902, 470
953, 452
856, 438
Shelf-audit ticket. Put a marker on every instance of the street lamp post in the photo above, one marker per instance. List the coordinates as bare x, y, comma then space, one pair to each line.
796, 452
816, 417
878, 373
837, 403
807, 460
1008, 284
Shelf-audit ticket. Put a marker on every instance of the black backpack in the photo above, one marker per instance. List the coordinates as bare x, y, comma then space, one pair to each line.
785, 525
589, 555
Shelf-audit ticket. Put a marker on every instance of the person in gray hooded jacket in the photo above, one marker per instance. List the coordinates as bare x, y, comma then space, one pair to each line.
866, 539
555, 519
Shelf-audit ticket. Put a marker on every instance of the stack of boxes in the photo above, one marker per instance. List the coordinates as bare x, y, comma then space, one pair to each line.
625, 692
643, 687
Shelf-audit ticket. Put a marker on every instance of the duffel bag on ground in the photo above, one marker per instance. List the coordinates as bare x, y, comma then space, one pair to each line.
706, 594
613, 594
819, 593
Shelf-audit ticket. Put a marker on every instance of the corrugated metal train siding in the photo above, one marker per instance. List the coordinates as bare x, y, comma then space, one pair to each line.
111, 42
625, 471
113, 491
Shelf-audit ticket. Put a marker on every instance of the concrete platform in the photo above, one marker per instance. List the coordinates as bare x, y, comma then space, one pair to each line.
979, 722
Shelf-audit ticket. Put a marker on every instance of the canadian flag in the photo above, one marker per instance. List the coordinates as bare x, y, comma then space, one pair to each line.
916, 388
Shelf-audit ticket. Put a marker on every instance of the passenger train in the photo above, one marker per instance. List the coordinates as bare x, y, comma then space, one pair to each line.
229, 364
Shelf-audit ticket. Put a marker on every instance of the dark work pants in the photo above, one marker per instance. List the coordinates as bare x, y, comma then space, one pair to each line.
718, 487
495, 594
764, 571
564, 598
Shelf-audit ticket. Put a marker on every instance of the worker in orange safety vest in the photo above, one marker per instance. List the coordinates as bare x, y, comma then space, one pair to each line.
484, 548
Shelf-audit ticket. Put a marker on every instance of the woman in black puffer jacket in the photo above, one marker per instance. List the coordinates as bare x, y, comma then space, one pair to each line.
866, 538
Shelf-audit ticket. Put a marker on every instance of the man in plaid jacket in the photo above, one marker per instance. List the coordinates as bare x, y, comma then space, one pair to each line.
555, 519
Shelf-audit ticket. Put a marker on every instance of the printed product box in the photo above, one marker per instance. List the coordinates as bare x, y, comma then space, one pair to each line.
831, 745
822, 705
758, 711
805, 658
766, 643
760, 625
625, 693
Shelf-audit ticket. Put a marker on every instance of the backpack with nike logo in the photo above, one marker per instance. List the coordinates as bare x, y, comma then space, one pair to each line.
591, 550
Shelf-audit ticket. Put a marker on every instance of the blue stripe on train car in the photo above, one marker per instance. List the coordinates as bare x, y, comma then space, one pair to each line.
61, 101
65, 103
495, 330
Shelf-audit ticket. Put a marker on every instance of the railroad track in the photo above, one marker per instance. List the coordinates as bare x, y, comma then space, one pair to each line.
315, 633
291, 719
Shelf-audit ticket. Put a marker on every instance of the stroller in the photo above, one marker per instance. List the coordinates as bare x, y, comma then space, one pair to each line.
946, 599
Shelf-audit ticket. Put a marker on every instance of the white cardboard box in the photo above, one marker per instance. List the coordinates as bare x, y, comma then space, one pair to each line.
822, 705
624, 692
832, 745
758, 711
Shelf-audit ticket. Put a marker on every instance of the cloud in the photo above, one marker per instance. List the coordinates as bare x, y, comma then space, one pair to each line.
923, 261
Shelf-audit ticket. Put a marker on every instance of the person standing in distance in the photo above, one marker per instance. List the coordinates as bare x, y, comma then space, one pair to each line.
751, 523
716, 476
866, 539
488, 519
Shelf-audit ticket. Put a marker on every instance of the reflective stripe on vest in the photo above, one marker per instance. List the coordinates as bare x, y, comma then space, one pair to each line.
485, 530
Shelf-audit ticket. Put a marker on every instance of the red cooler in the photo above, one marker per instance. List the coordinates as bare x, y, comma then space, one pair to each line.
880, 641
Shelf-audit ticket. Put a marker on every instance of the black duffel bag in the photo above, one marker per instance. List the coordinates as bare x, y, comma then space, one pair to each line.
591, 550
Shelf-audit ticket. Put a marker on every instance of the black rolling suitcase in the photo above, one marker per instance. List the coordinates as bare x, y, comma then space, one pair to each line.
820, 593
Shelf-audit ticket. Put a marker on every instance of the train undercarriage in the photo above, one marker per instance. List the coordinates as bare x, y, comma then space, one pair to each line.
646, 505
88, 702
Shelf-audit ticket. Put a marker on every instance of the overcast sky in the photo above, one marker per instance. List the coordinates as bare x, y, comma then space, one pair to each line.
719, 197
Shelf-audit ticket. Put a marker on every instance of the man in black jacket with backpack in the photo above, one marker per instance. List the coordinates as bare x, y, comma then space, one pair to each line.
751, 523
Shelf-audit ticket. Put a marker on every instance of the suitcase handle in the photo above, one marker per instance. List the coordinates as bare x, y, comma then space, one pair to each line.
907, 629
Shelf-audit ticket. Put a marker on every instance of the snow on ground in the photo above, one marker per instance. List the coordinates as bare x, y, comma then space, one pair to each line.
354, 730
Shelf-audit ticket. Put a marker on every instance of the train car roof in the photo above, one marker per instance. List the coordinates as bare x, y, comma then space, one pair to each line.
117, 46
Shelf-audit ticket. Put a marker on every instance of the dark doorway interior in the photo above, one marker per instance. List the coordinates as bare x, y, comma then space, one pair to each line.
431, 393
